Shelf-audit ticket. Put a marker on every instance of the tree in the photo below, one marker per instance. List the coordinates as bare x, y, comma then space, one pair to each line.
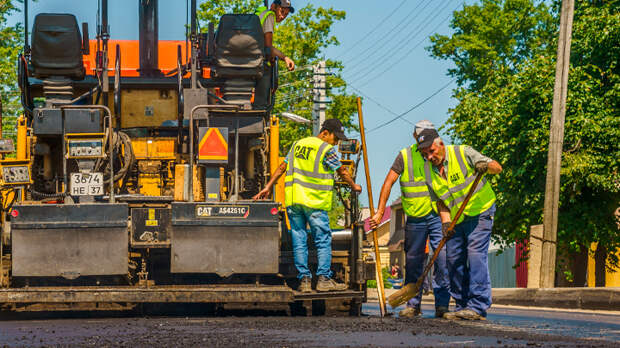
504, 51
11, 40
303, 36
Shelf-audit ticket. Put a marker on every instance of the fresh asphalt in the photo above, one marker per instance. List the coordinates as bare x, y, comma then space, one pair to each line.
579, 324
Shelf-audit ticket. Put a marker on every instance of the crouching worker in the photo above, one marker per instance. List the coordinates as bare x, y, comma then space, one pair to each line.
422, 222
451, 171
310, 166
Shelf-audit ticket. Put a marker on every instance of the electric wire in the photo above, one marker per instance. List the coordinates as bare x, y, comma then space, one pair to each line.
374, 49
399, 116
390, 54
391, 66
373, 30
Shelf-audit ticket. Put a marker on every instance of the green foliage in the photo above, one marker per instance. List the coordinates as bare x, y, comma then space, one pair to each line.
505, 98
11, 38
386, 284
302, 36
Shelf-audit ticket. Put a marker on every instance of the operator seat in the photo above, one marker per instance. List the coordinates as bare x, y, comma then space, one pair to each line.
239, 56
56, 46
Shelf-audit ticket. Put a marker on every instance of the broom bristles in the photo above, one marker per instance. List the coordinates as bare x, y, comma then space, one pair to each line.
403, 295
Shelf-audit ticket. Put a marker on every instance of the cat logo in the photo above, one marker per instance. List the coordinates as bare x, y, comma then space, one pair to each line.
455, 177
203, 211
303, 152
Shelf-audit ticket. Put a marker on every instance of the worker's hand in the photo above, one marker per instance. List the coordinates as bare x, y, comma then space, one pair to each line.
376, 220
444, 228
482, 167
264, 193
290, 65
356, 188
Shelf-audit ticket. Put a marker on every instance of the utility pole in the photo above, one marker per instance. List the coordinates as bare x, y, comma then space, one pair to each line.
319, 96
556, 141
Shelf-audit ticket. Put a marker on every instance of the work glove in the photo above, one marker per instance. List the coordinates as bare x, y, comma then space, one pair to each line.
444, 228
482, 167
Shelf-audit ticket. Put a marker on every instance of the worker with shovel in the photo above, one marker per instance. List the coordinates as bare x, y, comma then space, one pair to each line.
451, 172
422, 222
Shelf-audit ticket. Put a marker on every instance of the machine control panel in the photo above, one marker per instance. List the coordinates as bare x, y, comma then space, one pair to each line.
15, 173
85, 148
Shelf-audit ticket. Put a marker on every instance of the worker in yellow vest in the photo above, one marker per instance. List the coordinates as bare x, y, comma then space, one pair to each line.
450, 171
422, 222
278, 11
310, 166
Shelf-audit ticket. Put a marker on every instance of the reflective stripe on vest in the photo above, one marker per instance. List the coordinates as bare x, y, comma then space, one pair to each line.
459, 179
415, 197
307, 182
262, 13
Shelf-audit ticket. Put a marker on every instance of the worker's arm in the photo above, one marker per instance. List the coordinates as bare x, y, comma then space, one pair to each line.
290, 65
264, 193
344, 175
389, 181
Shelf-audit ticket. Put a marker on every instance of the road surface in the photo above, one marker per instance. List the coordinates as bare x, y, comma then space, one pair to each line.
513, 327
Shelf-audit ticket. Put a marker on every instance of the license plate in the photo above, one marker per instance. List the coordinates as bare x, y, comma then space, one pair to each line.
223, 211
86, 184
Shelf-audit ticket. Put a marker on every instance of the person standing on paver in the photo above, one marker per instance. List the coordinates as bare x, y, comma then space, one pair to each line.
309, 182
451, 171
278, 12
422, 222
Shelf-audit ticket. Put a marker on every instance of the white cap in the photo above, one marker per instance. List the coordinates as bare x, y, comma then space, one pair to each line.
424, 124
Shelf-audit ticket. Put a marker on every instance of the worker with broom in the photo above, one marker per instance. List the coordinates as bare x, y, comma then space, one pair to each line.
422, 222
451, 173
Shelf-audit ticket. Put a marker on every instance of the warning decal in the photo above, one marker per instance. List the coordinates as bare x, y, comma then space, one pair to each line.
213, 145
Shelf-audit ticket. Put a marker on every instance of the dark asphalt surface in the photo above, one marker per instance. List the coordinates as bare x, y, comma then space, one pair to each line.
505, 327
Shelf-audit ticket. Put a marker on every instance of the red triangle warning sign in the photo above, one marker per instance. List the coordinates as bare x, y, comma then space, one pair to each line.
213, 146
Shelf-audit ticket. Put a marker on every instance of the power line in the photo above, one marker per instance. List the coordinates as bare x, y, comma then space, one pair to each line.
373, 30
391, 66
411, 109
414, 34
378, 104
374, 49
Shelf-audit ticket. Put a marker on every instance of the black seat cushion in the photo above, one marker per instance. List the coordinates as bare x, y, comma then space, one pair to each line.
57, 46
240, 47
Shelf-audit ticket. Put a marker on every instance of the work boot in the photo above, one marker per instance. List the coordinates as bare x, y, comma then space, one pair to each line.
440, 311
305, 285
410, 312
328, 284
450, 316
469, 314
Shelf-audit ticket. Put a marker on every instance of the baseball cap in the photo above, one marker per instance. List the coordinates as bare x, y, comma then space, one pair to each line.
285, 3
424, 124
426, 138
334, 126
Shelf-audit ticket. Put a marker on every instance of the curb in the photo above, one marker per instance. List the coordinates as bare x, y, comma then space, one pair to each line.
571, 298
607, 299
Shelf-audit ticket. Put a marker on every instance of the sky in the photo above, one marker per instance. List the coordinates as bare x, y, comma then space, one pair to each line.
383, 48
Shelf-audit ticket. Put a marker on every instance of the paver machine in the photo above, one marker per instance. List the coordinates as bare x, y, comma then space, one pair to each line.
132, 174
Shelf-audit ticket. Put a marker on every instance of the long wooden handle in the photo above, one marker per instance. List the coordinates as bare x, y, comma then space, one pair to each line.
410, 290
379, 275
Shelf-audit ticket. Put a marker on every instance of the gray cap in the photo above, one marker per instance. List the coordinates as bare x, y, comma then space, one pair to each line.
285, 3
424, 124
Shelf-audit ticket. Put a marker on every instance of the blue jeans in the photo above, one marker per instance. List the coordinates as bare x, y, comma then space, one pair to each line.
467, 254
417, 230
318, 220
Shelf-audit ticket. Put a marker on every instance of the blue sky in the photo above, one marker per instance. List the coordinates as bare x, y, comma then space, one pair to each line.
382, 47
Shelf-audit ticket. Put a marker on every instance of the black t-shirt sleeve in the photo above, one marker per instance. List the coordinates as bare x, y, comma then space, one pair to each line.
399, 164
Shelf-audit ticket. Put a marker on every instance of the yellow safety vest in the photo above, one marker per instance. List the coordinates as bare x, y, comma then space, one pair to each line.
460, 178
262, 13
307, 182
415, 197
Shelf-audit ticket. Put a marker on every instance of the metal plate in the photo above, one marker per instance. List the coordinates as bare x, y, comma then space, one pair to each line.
223, 211
86, 184
69, 240
150, 227
225, 250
